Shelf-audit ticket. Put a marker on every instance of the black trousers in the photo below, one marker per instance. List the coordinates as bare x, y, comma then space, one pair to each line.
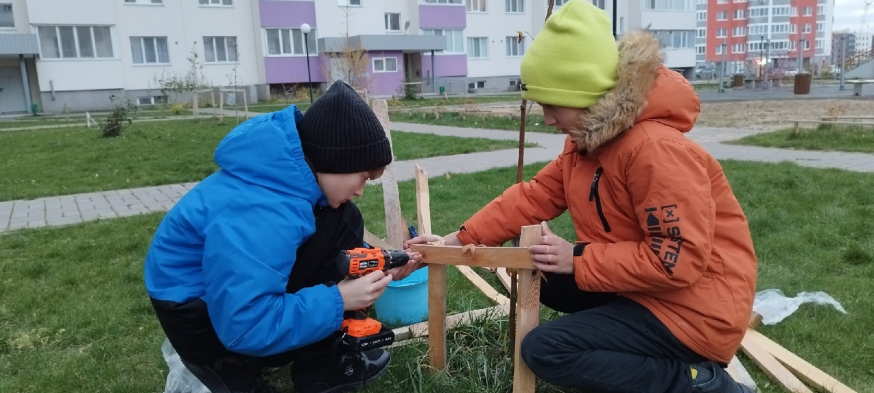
189, 329
606, 343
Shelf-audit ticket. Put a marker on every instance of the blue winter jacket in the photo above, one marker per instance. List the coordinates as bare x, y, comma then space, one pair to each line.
232, 240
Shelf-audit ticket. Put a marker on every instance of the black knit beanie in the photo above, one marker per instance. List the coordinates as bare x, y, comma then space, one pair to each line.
341, 134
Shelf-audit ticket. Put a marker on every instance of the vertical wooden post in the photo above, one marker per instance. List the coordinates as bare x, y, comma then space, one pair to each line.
529, 312
394, 227
436, 280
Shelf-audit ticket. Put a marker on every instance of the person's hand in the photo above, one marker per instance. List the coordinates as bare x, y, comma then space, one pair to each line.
415, 263
552, 254
362, 292
449, 240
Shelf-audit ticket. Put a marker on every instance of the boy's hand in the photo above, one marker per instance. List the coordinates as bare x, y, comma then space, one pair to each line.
552, 254
400, 273
362, 292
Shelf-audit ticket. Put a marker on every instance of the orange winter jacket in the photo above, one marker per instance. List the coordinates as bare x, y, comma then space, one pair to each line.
663, 226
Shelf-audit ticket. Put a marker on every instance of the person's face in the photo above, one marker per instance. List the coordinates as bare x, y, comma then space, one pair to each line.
340, 188
563, 118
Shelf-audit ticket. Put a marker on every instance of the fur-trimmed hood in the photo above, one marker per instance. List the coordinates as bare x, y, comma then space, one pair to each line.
645, 90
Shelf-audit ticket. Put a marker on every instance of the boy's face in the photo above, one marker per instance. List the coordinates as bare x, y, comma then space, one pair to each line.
340, 188
563, 118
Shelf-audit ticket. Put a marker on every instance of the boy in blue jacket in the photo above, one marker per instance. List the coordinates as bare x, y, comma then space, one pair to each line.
241, 271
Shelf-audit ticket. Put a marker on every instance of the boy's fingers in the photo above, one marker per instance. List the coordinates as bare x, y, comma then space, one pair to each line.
545, 267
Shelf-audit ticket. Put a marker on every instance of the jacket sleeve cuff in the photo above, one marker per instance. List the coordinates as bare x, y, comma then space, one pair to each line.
579, 277
465, 237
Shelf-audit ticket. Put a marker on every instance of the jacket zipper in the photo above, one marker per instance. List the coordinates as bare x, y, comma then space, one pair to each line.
595, 196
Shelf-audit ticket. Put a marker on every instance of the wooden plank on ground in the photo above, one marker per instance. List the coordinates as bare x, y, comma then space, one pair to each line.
492, 257
436, 279
740, 374
524, 380
804, 370
394, 227
483, 286
837, 123
770, 366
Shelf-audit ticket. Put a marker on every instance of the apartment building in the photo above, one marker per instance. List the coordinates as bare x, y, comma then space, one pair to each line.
752, 35
65, 55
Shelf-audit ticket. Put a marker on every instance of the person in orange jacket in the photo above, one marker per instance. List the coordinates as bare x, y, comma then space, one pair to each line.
659, 285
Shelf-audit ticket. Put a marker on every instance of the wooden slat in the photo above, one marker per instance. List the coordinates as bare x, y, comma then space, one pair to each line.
394, 227
436, 279
804, 370
483, 286
421, 329
504, 277
770, 366
524, 380
374, 241
492, 257
739, 373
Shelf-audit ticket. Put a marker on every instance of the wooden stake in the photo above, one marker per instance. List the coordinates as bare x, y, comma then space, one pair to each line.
374, 241
436, 279
529, 312
740, 374
421, 329
394, 226
504, 277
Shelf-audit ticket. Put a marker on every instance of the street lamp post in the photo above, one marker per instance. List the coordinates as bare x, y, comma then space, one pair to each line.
305, 29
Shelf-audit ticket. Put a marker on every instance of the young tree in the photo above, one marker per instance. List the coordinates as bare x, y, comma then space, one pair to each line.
350, 62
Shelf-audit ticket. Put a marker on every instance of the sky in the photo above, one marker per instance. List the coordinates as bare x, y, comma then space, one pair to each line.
848, 15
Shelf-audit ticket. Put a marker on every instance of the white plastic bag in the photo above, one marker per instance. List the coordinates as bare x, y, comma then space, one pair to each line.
179, 379
774, 307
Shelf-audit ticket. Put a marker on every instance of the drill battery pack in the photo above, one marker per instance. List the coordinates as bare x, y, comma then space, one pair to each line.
384, 337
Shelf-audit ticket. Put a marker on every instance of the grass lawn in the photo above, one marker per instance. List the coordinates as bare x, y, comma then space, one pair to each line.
265, 108
850, 139
75, 316
73, 160
534, 123
457, 100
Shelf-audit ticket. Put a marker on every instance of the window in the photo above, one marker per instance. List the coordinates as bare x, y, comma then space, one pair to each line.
702, 15
514, 5
700, 49
737, 48
558, 3
806, 28
220, 49
667, 5
721, 33
758, 29
75, 42
7, 19
719, 50
597, 3
808, 11
385, 64
475, 5
820, 26
739, 31
758, 12
676, 39
478, 48
701, 33
477, 85
434, 1
515, 47
782, 28
144, 1
722, 2
151, 100
282, 42
149, 50
392, 22
722, 15
820, 9
740, 14
454, 39
214, 3
781, 11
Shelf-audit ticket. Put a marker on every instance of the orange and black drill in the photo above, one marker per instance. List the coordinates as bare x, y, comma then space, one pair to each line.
360, 332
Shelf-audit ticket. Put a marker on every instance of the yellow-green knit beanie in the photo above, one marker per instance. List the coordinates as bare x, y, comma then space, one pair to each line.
572, 61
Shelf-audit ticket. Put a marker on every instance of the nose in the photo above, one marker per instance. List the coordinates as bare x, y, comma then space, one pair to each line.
360, 191
549, 118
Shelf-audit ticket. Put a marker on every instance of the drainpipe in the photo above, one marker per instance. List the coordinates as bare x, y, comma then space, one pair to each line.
26, 82
433, 73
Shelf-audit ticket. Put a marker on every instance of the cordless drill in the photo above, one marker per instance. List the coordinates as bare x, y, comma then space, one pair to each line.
360, 332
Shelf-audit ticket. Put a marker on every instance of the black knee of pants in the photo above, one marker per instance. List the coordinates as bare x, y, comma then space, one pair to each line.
617, 347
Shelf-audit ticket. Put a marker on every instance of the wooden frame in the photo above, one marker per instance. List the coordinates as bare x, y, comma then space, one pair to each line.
440, 256
222, 101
